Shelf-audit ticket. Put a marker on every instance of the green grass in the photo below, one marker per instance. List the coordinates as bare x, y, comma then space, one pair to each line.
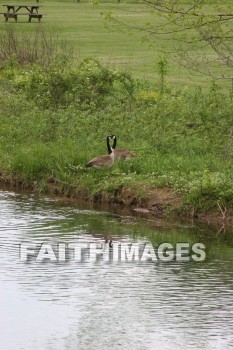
84, 26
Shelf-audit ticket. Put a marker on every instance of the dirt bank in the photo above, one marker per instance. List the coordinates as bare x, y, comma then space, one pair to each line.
156, 202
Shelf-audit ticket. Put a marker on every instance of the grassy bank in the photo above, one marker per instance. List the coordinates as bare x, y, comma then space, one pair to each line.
55, 118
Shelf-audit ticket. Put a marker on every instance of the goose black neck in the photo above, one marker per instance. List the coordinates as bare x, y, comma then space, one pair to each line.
114, 142
108, 145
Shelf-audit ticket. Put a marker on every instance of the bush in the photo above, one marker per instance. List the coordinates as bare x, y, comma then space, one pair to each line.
86, 85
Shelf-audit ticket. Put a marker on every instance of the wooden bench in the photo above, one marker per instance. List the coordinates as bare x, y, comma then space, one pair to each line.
15, 15
8, 15
35, 15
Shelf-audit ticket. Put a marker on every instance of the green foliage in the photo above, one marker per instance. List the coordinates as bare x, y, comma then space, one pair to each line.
86, 85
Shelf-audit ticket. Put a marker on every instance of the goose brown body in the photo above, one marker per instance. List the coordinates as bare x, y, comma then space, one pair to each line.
103, 160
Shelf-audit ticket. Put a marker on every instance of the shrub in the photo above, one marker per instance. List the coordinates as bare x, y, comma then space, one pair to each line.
86, 85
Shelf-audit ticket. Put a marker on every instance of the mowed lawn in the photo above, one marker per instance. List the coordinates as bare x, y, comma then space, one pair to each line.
83, 24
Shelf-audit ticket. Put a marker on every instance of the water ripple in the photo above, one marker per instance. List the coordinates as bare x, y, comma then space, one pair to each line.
74, 305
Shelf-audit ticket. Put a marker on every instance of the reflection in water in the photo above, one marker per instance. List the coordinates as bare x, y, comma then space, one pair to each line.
85, 306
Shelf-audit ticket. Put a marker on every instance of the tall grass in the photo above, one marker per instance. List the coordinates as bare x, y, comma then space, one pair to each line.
41, 47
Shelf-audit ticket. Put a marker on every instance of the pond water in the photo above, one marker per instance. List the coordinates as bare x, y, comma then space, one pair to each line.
85, 305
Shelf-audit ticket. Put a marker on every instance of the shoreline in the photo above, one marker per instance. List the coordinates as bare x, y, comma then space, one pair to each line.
159, 203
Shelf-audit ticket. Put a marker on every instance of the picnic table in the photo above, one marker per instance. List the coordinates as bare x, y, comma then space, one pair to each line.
13, 12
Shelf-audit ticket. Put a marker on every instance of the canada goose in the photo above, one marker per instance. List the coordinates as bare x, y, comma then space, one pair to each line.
102, 161
121, 153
